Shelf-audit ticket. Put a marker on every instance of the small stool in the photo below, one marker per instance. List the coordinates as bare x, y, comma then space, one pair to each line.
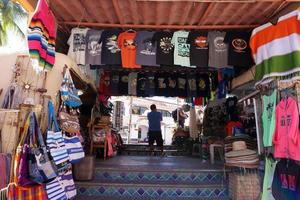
220, 149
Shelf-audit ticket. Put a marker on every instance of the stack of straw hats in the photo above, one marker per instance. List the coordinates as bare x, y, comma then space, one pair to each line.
240, 156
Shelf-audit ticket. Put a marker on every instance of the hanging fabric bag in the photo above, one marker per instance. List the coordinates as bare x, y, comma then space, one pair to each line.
56, 190
69, 185
22, 154
68, 92
74, 148
68, 123
55, 142
41, 168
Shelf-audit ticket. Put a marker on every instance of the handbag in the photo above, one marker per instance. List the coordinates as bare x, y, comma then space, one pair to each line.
55, 142
68, 92
68, 184
69, 123
55, 189
74, 148
22, 152
41, 168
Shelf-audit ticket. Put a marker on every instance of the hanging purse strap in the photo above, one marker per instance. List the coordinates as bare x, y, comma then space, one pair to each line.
25, 131
52, 117
36, 137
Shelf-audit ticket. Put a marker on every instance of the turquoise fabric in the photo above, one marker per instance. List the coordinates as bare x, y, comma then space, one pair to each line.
268, 179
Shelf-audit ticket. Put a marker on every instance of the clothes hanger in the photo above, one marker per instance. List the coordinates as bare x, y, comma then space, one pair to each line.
131, 31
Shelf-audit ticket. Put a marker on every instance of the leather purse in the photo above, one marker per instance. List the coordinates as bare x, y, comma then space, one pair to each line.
69, 123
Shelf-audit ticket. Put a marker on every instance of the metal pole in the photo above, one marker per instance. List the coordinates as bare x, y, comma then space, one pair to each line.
130, 118
177, 112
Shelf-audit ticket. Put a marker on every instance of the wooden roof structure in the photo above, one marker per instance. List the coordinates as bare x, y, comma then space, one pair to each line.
165, 14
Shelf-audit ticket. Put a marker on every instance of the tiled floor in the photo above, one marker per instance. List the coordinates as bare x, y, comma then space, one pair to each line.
176, 163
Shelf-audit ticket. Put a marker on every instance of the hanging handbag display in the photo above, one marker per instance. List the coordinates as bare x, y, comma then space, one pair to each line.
41, 168
69, 122
68, 184
74, 148
55, 142
68, 92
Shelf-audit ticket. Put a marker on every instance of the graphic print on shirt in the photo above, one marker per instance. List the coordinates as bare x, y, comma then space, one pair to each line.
151, 82
78, 42
181, 83
115, 79
201, 42
270, 108
285, 121
94, 48
172, 83
129, 44
219, 44
183, 47
142, 82
148, 47
202, 85
166, 45
288, 182
124, 79
239, 45
192, 84
112, 45
161, 83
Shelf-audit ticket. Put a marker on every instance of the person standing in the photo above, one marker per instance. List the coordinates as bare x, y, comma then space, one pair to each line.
154, 133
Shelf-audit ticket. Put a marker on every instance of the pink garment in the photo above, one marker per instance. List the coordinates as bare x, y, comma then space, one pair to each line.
110, 150
286, 137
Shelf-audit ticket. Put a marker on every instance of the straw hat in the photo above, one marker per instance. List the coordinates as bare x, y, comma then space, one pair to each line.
239, 148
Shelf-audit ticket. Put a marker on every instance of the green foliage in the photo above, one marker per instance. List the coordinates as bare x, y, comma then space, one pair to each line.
10, 14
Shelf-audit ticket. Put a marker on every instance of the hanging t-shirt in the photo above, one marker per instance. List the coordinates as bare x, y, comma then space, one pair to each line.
111, 53
222, 89
132, 83
127, 44
104, 83
77, 43
164, 48
114, 83
286, 182
268, 118
191, 85
198, 48
93, 49
161, 84
123, 84
203, 85
146, 48
172, 85
218, 49
150, 84
239, 50
231, 105
181, 85
181, 48
268, 179
141, 85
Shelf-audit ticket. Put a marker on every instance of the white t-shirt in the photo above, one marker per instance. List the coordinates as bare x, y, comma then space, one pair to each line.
181, 48
77, 43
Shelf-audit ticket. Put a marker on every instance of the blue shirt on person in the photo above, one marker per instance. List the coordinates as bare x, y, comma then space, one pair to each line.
154, 119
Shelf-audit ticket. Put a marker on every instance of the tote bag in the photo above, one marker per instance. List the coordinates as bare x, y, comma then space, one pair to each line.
68, 92
69, 185
55, 142
41, 168
55, 189
74, 148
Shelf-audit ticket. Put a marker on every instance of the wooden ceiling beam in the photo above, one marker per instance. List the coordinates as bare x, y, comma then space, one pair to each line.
134, 11
143, 26
225, 9
118, 11
65, 8
237, 15
86, 13
209, 8
186, 12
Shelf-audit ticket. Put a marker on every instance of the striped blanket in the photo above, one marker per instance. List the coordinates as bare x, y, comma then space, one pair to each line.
276, 48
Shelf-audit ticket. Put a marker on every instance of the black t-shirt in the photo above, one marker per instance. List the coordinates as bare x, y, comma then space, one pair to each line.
172, 85
214, 80
123, 84
203, 85
114, 83
161, 84
150, 84
286, 180
239, 50
165, 49
111, 54
231, 105
191, 85
198, 48
141, 85
181, 85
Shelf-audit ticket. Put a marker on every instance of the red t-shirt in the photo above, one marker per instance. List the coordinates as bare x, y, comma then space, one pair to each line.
126, 42
230, 125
